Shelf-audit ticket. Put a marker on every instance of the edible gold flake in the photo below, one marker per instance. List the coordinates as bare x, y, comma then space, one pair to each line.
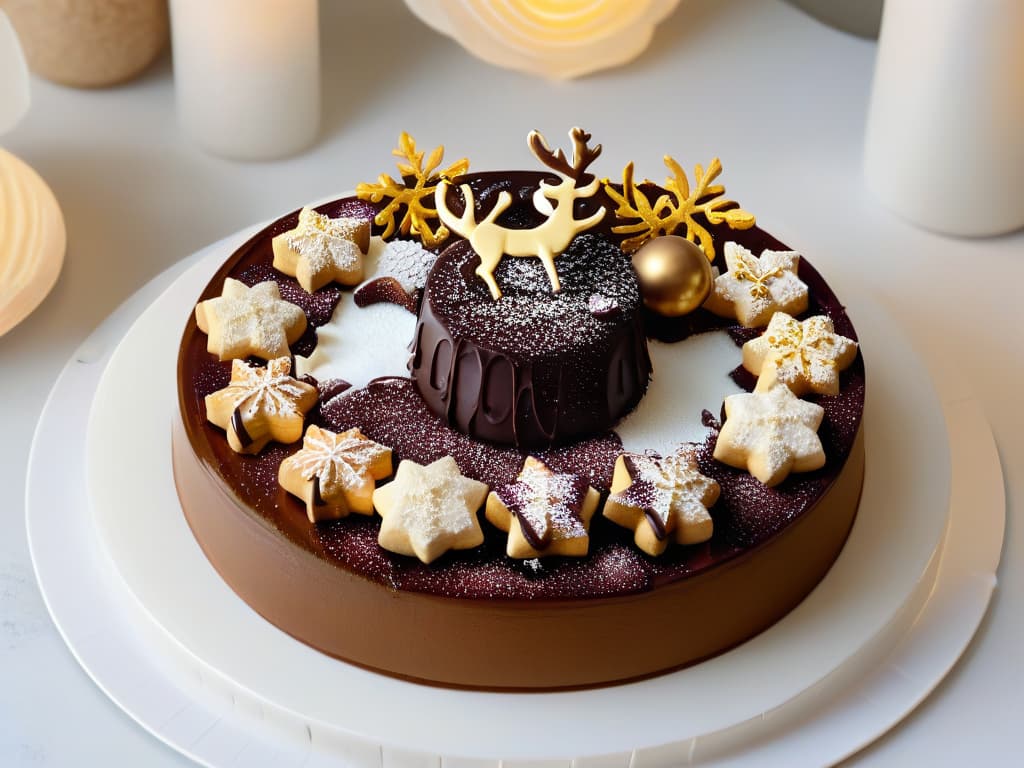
417, 184
675, 210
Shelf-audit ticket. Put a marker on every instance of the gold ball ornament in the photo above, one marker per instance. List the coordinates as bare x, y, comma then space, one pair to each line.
675, 275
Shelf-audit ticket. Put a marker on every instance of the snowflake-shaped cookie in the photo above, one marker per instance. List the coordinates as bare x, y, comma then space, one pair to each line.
770, 432
544, 512
322, 250
662, 497
260, 405
245, 321
808, 355
754, 288
335, 473
430, 509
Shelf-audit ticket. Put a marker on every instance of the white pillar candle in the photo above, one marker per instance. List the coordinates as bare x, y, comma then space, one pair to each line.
14, 93
945, 132
247, 75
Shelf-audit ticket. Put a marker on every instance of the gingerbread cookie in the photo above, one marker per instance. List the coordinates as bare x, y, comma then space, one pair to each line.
544, 512
659, 498
335, 473
427, 510
260, 405
245, 321
754, 288
807, 355
322, 250
770, 432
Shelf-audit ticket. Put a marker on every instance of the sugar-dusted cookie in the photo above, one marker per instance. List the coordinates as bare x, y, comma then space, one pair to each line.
334, 473
770, 432
246, 321
754, 288
260, 405
427, 510
807, 355
544, 512
662, 498
322, 250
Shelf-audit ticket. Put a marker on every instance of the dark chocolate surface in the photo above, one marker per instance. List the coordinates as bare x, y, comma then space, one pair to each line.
747, 514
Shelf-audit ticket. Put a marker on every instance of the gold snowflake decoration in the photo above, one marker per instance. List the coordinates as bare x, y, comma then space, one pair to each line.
417, 184
675, 209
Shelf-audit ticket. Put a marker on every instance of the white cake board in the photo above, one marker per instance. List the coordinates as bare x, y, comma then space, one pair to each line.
887, 564
794, 694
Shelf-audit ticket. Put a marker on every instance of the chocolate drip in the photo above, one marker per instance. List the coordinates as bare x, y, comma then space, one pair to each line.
654, 520
531, 536
238, 425
318, 500
640, 493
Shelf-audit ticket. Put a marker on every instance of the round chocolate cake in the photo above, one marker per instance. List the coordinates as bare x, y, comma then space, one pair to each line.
532, 369
591, 563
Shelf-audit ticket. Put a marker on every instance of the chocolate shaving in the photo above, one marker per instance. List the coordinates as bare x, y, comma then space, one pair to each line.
708, 420
331, 388
387, 290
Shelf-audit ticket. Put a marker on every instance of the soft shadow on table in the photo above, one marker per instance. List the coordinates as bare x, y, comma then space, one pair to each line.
690, 21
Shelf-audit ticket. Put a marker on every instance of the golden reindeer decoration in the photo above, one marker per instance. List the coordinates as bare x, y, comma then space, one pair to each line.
548, 239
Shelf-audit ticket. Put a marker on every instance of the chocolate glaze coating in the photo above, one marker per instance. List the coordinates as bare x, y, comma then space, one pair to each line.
532, 369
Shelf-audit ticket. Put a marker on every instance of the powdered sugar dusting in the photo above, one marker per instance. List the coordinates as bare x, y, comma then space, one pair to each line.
392, 412
529, 320
326, 242
548, 503
429, 509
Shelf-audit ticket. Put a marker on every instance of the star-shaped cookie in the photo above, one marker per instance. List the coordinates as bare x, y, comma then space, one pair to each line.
659, 498
335, 473
807, 355
245, 321
322, 250
544, 512
770, 432
754, 288
427, 510
260, 405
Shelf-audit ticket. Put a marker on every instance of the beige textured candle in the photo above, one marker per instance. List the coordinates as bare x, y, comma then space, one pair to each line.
89, 43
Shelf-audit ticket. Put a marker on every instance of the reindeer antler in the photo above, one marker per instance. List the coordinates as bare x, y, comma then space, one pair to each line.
582, 155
